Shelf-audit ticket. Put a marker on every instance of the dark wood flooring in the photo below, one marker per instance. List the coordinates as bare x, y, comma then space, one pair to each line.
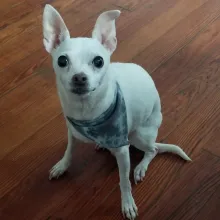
178, 42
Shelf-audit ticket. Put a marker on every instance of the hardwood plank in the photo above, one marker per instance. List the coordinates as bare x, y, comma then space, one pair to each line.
26, 173
211, 209
188, 78
130, 5
5, 6
31, 105
186, 197
23, 70
130, 22
19, 14
198, 126
141, 38
213, 143
177, 37
27, 156
13, 12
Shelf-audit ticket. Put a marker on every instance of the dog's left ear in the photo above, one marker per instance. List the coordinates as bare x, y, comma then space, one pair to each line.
104, 30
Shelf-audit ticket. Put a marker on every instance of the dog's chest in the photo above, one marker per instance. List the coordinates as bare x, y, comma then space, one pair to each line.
77, 135
110, 129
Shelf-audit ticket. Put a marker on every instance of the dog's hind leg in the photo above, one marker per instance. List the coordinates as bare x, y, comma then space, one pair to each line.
145, 140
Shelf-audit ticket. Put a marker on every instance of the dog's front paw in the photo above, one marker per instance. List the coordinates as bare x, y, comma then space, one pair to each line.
58, 169
129, 208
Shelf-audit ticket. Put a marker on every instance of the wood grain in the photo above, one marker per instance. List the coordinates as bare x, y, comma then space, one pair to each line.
178, 37
210, 210
186, 196
178, 42
141, 38
183, 89
212, 144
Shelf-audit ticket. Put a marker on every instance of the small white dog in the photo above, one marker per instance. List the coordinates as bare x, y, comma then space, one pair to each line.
114, 105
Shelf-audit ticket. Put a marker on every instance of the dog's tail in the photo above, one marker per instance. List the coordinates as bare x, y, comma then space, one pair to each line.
162, 148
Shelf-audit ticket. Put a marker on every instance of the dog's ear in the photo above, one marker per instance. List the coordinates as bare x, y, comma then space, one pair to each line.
54, 28
104, 29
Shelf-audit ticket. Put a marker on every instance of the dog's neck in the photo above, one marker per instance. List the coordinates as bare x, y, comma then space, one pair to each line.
90, 106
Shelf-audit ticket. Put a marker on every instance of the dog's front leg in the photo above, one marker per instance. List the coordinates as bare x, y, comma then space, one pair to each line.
129, 209
59, 168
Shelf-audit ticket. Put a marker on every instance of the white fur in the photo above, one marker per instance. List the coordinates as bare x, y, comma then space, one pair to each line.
141, 97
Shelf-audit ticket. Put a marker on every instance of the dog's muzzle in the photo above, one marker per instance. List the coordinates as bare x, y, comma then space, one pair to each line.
79, 84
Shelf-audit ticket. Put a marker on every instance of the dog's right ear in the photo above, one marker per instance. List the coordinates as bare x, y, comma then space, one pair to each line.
54, 28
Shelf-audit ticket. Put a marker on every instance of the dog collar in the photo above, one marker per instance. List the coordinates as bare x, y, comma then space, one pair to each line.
110, 129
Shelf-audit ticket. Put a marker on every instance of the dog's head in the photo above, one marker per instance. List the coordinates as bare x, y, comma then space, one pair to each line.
80, 63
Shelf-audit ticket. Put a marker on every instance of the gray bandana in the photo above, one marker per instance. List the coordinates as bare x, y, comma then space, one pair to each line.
110, 129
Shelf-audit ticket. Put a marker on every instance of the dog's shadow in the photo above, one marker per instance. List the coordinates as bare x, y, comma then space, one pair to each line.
87, 159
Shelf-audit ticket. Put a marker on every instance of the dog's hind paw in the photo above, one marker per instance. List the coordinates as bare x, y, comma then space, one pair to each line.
139, 173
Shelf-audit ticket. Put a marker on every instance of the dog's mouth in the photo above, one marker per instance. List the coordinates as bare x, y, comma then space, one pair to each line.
82, 91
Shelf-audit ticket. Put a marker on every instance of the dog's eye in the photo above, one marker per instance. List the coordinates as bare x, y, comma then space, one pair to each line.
62, 61
98, 62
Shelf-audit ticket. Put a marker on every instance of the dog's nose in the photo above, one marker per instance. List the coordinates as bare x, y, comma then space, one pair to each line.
80, 79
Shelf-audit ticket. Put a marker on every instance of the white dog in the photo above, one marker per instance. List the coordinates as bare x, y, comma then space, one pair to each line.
111, 104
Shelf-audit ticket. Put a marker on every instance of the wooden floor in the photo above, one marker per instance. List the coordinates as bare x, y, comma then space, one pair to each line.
178, 42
